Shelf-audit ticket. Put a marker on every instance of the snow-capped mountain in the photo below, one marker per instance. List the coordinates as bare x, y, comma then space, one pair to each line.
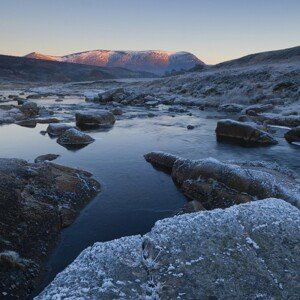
41, 56
154, 61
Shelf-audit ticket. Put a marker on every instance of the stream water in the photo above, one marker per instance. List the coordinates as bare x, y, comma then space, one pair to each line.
134, 195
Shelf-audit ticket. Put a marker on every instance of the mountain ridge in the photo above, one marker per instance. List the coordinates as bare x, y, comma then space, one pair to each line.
153, 61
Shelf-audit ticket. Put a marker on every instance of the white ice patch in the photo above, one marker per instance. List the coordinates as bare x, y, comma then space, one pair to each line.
252, 243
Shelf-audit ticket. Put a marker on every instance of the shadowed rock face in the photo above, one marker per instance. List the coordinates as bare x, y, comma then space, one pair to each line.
245, 133
293, 135
242, 252
217, 184
36, 201
95, 118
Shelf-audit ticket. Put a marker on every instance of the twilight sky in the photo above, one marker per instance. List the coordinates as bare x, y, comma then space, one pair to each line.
214, 30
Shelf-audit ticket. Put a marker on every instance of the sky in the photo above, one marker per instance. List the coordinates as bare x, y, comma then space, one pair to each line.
213, 30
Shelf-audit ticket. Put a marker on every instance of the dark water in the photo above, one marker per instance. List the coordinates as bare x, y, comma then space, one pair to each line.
134, 195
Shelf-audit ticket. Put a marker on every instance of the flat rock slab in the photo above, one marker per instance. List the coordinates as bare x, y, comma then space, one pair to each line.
248, 251
36, 202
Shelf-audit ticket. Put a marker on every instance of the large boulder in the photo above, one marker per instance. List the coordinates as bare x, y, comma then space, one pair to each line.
245, 133
217, 184
29, 109
74, 138
293, 135
58, 129
95, 118
248, 251
36, 202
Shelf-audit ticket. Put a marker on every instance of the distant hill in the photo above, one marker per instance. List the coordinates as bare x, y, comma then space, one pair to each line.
36, 70
276, 56
154, 61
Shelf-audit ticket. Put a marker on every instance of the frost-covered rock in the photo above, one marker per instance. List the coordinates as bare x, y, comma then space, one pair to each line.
281, 120
151, 103
247, 251
243, 132
95, 118
110, 96
29, 109
257, 108
36, 202
231, 108
74, 138
58, 129
221, 184
11, 115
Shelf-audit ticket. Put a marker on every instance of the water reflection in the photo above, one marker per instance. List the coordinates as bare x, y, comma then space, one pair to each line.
134, 194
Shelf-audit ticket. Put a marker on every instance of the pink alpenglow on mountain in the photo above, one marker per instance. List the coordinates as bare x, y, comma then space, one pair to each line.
154, 61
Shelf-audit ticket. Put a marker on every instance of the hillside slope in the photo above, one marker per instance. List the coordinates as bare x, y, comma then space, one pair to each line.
277, 56
27, 69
